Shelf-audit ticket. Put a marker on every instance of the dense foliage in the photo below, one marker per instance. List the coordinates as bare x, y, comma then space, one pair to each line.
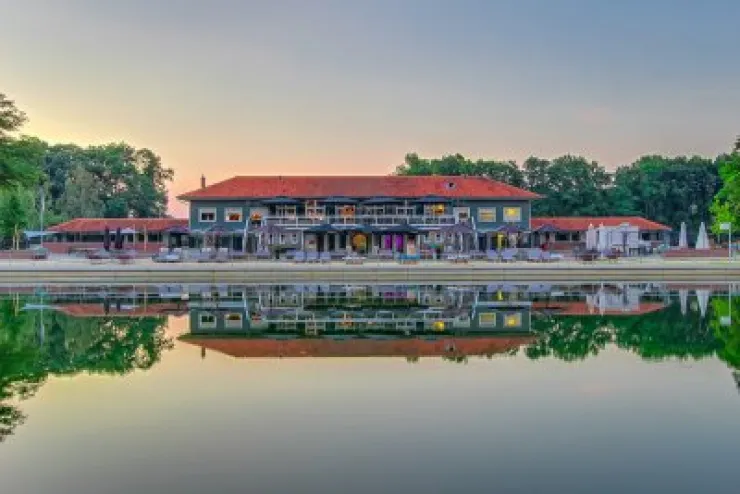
668, 190
113, 180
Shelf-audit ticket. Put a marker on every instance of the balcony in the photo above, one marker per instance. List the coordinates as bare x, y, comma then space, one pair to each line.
361, 219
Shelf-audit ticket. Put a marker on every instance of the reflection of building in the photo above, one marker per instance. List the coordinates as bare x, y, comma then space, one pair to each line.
316, 310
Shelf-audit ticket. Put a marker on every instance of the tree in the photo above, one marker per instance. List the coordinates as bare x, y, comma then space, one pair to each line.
725, 207
11, 118
14, 170
456, 164
669, 190
571, 186
16, 206
81, 195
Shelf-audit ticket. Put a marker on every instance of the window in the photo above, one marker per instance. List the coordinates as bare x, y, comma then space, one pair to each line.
487, 215
405, 211
313, 210
207, 215
233, 320
512, 214
487, 319
233, 215
513, 320
289, 211
206, 321
294, 238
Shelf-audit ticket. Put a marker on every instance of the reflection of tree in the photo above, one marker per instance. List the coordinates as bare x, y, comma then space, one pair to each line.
68, 345
655, 335
729, 336
568, 338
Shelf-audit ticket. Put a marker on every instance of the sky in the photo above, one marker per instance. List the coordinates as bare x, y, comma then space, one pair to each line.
313, 87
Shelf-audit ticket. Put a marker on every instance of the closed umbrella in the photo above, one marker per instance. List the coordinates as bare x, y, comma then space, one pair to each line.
106, 239
683, 296
703, 297
590, 238
118, 241
702, 240
683, 241
602, 241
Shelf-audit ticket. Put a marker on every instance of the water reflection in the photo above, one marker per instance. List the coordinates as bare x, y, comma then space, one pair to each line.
48, 331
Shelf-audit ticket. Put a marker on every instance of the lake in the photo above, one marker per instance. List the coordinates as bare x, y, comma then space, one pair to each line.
365, 389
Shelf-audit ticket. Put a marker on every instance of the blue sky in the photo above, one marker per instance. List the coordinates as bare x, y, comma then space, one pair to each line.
225, 87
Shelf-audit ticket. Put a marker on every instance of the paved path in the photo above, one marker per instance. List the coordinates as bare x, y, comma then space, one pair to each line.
142, 271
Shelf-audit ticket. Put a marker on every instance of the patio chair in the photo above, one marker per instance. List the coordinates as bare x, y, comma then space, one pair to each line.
312, 256
299, 256
509, 255
534, 255
493, 256
205, 255
39, 253
325, 257
222, 255
354, 259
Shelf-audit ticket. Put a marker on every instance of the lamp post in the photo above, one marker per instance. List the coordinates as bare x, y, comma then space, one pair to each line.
728, 228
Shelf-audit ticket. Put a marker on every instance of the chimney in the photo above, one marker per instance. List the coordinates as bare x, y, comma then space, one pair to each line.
202, 181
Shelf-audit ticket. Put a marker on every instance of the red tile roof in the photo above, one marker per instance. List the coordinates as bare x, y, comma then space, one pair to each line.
272, 348
581, 223
581, 308
99, 310
94, 225
370, 186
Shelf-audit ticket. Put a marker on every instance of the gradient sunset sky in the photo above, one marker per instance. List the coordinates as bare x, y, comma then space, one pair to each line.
348, 87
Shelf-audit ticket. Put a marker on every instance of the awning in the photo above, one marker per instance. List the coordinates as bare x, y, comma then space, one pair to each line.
177, 230
281, 200
128, 231
379, 201
395, 229
546, 228
431, 200
36, 234
322, 228
338, 200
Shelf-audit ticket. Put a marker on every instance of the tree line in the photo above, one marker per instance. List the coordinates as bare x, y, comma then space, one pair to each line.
669, 190
114, 180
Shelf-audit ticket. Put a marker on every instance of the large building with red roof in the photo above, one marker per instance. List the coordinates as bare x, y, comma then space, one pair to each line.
570, 231
371, 213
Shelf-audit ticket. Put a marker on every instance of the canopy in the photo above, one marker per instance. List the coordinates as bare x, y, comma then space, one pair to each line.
177, 230
396, 229
431, 200
458, 228
547, 228
36, 234
269, 229
338, 200
508, 229
602, 243
591, 238
378, 201
281, 200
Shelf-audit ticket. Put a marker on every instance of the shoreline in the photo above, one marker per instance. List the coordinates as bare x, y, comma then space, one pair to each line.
81, 271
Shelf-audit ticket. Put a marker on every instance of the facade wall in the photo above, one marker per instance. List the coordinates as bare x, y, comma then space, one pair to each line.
477, 210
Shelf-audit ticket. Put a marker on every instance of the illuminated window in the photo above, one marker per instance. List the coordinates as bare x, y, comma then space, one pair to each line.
233, 214
233, 320
513, 320
207, 215
487, 319
486, 215
207, 320
512, 214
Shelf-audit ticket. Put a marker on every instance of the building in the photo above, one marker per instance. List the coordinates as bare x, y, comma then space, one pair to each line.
141, 234
567, 232
380, 214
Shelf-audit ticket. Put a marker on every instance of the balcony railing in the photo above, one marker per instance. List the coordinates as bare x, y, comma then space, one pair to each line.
362, 219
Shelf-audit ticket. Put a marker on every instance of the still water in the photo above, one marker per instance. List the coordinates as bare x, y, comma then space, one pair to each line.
367, 389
